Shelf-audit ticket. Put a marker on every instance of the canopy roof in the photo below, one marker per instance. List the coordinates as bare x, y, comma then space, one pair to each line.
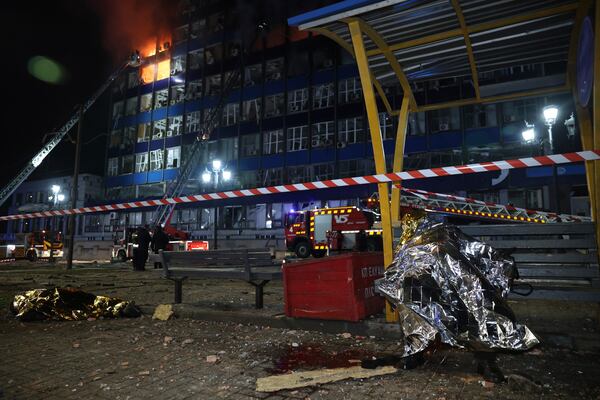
415, 40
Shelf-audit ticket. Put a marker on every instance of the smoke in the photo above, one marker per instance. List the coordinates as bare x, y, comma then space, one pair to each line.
133, 24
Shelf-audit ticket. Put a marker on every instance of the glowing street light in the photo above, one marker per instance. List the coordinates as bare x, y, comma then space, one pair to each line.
550, 114
206, 177
217, 165
55, 189
226, 175
60, 197
528, 133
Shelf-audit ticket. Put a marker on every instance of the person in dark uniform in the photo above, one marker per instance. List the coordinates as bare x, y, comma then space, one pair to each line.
140, 253
160, 240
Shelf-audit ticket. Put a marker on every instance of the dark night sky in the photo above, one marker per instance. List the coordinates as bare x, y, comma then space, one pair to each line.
69, 32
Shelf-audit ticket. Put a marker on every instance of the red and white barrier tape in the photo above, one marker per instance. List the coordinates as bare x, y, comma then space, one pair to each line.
554, 159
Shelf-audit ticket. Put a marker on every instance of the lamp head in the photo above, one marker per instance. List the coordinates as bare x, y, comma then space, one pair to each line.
550, 114
216, 165
226, 175
528, 133
55, 189
206, 177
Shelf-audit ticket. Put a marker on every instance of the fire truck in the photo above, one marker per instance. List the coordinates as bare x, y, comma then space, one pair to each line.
331, 229
41, 245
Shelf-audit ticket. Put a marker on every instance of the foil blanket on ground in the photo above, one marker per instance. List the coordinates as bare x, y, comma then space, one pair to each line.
446, 283
69, 304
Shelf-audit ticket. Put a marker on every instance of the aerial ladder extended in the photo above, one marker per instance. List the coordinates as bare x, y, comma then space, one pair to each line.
9, 189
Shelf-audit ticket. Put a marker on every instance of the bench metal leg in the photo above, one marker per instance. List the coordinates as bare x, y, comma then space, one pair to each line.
258, 302
178, 290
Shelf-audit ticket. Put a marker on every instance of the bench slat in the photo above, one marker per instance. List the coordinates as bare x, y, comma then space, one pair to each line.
561, 258
543, 244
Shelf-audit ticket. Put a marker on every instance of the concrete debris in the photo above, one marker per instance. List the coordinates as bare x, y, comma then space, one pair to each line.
167, 340
163, 312
188, 341
487, 384
346, 335
212, 359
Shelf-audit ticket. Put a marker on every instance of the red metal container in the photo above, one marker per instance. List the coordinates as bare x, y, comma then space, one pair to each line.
338, 287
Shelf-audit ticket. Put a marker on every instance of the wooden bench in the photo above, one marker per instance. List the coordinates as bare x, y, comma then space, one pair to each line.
559, 260
255, 266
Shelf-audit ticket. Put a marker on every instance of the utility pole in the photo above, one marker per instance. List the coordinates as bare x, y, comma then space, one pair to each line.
74, 192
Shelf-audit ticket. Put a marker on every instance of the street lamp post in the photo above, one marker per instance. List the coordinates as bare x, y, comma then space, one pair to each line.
550, 114
215, 175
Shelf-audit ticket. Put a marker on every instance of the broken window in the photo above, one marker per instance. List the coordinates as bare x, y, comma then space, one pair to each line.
253, 75
297, 100
480, 116
141, 162
173, 155
131, 106
161, 99
180, 34
117, 110
156, 160
192, 122
233, 49
197, 28
159, 129
215, 22
323, 57
213, 85
214, 54
323, 96
196, 59
351, 168
298, 174
177, 65
230, 114
146, 102
445, 119
251, 111
350, 130
143, 134
349, 91
115, 139
297, 62
297, 138
323, 172
175, 125
274, 70
129, 135
127, 164
133, 79
194, 90
250, 145
273, 142
273, 105
113, 166
416, 124
386, 125
177, 94
232, 80
228, 148
323, 134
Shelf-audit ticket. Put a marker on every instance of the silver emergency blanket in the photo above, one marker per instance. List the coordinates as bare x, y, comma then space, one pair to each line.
447, 284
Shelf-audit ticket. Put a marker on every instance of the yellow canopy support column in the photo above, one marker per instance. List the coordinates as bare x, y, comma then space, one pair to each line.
596, 110
377, 141
399, 157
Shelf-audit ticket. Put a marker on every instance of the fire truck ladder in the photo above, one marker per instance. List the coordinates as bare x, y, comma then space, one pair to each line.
9, 189
465, 206
211, 121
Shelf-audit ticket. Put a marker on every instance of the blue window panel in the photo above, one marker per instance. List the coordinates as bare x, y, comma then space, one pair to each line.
322, 155
323, 77
157, 144
162, 84
179, 49
297, 83
273, 161
113, 153
155, 176
195, 105
127, 121
389, 146
482, 136
228, 131
297, 157
350, 110
159, 114
248, 127
274, 88
141, 147
177, 109
415, 144
354, 150
144, 117
251, 92
215, 38
561, 170
123, 180
194, 75
272, 124
145, 89
188, 138
132, 92
297, 119
234, 97
249, 164
195, 44
347, 71
446, 140
170, 174
140, 178
173, 141
210, 101
322, 115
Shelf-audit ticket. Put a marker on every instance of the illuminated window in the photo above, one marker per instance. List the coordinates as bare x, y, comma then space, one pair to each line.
323, 134
251, 110
350, 130
161, 99
177, 94
141, 162
175, 125
194, 90
297, 138
231, 112
273, 105
297, 100
349, 91
146, 102
192, 122
273, 142
173, 157
177, 65
323, 96
113, 166
143, 134
159, 129
156, 160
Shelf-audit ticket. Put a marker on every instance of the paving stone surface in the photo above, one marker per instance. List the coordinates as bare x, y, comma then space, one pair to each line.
188, 359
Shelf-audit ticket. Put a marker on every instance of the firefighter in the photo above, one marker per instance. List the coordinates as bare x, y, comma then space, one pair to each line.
140, 253
160, 240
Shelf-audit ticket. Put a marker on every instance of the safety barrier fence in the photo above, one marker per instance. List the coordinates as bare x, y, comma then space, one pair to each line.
554, 159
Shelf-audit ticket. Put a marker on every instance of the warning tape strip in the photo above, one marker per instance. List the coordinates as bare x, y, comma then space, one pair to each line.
566, 158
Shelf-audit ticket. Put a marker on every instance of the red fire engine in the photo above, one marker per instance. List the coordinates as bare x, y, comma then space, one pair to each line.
335, 229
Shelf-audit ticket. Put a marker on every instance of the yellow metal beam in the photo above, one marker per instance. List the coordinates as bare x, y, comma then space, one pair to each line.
480, 27
377, 142
465, 32
399, 158
389, 56
596, 117
346, 46
496, 99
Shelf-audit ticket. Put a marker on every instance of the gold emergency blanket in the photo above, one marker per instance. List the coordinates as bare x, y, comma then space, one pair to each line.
69, 304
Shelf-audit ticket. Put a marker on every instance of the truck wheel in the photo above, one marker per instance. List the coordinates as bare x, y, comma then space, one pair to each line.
319, 253
373, 244
121, 256
302, 249
32, 256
